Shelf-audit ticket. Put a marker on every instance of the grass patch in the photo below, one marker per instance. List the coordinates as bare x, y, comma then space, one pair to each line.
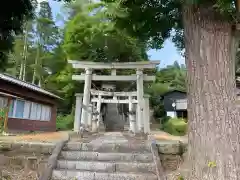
176, 126
64, 122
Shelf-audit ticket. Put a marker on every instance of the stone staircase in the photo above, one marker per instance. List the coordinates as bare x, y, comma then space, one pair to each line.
105, 159
113, 120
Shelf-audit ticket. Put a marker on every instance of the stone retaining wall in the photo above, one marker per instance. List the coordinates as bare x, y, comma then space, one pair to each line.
171, 154
28, 147
25, 157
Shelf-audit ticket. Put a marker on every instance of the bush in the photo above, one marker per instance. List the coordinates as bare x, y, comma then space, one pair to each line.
1, 125
65, 122
176, 126
165, 119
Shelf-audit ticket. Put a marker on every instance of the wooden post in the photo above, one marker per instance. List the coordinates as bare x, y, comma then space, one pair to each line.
238, 5
6, 114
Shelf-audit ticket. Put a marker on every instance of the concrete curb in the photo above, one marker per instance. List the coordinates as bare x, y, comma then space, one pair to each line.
157, 161
52, 161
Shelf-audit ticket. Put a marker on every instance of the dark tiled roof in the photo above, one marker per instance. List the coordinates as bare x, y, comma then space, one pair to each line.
26, 85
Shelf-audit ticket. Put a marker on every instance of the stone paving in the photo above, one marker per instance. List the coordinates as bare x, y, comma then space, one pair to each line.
110, 137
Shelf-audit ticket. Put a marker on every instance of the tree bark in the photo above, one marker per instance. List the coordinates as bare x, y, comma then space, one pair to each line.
214, 126
25, 51
36, 63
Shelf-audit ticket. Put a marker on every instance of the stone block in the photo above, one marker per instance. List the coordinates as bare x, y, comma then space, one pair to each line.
4, 160
16, 146
170, 162
5, 147
68, 175
135, 167
64, 164
95, 166
169, 147
131, 176
79, 155
73, 146
146, 157
113, 156
47, 149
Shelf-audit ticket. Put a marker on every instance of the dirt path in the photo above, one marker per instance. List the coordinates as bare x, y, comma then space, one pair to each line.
161, 135
37, 137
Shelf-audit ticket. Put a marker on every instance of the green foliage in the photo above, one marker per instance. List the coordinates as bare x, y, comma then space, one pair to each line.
176, 126
96, 38
1, 125
180, 178
153, 21
64, 122
2, 118
165, 119
11, 22
212, 164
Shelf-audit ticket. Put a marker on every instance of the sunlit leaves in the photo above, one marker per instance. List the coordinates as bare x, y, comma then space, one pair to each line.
92, 34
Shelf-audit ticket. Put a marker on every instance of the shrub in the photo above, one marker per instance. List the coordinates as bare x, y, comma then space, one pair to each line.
176, 126
3, 112
65, 122
1, 125
165, 119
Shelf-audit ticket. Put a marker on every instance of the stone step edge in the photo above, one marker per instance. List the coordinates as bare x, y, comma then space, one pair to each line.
146, 144
107, 173
110, 167
95, 154
106, 148
117, 153
106, 161
124, 151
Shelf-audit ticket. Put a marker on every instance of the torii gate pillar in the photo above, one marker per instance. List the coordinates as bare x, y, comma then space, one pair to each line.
86, 97
140, 105
78, 111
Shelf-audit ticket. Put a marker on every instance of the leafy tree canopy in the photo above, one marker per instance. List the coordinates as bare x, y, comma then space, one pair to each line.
153, 21
91, 35
12, 15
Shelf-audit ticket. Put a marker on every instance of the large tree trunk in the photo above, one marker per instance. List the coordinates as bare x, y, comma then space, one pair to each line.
214, 123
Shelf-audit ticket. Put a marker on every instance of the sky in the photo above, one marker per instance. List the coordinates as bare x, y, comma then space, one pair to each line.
167, 55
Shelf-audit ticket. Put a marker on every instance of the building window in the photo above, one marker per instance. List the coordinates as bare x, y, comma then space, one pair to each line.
19, 108
46, 113
29, 110
33, 112
39, 111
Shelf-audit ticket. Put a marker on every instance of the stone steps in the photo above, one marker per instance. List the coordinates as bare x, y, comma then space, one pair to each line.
59, 174
108, 147
107, 166
109, 156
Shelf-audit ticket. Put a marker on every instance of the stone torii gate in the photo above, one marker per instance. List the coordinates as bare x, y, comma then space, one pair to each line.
142, 107
130, 100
